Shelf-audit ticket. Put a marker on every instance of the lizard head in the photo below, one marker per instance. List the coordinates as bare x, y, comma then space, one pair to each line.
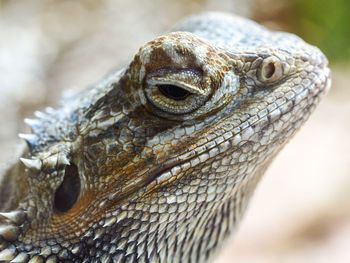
159, 160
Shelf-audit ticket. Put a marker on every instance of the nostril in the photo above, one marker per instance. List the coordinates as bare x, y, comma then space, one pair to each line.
272, 69
67, 193
269, 70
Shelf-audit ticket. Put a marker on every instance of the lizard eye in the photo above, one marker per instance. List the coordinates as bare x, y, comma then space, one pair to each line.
271, 70
177, 92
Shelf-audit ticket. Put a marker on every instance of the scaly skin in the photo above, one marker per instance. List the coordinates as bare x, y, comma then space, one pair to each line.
158, 162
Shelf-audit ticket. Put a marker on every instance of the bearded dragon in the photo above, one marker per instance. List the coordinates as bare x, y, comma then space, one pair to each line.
157, 163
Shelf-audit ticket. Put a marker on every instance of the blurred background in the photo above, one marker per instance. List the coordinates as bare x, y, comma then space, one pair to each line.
301, 209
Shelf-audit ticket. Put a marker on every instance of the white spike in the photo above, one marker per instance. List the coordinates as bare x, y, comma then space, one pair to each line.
46, 251
99, 233
62, 159
40, 114
110, 221
76, 249
16, 217
30, 138
32, 123
88, 234
31, 163
21, 258
9, 232
8, 254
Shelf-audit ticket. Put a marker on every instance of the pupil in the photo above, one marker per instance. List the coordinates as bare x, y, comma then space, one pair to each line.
173, 92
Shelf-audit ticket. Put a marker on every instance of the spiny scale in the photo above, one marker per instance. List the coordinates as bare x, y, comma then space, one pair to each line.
45, 115
16, 217
9, 232
20, 258
41, 115
32, 163
34, 124
8, 254
109, 222
31, 139
62, 159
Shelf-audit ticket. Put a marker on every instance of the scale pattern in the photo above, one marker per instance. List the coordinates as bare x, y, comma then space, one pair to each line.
158, 162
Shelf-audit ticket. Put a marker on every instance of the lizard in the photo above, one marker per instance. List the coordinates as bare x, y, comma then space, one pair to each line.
158, 161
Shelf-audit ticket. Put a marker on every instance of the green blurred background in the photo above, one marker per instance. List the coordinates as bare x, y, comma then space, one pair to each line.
323, 23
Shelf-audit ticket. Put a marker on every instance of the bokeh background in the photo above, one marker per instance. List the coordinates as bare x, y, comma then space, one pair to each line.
301, 209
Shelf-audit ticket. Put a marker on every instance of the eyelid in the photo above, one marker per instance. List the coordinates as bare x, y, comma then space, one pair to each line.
186, 79
189, 80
